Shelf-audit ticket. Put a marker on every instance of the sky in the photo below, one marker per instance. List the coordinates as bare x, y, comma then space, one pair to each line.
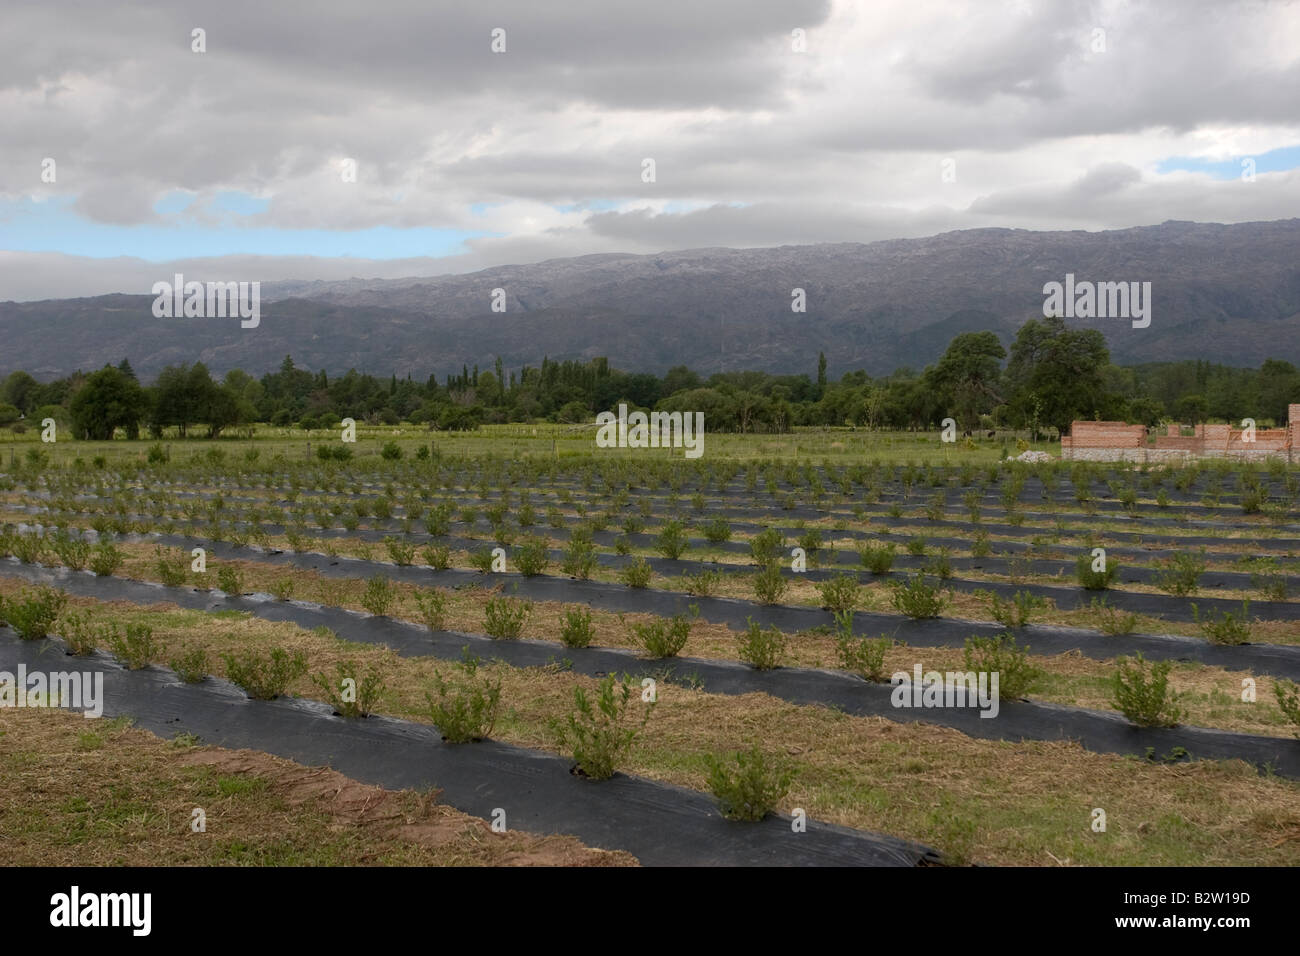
386, 139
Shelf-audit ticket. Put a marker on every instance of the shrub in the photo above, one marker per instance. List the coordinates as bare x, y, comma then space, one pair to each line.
1225, 627
672, 540
1145, 698
1092, 580
1111, 620
636, 574
579, 559
1017, 611
1000, 655
1268, 580
466, 705
264, 676
390, 452
133, 645
748, 784
770, 584
172, 567
980, 547
191, 667
1180, 574
716, 531
766, 545
877, 558
28, 548
576, 629
917, 599
74, 552
916, 546
481, 560
839, 593
702, 583
229, 579
1288, 700
531, 557
400, 550
504, 618
432, 606
33, 614
664, 638
863, 656
437, 557
600, 731
79, 634
379, 595
762, 648
282, 588
348, 695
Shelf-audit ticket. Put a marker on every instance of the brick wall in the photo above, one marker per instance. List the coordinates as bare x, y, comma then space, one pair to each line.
1115, 441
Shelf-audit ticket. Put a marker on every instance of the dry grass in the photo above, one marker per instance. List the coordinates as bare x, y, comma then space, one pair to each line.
99, 793
995, 802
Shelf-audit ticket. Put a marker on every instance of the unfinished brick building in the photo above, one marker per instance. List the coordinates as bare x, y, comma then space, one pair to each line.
1115, 441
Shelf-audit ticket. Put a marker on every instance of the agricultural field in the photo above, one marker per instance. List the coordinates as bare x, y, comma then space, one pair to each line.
528, 649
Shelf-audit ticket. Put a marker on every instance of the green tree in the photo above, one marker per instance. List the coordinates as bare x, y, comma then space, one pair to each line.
107, 400
1056, 373
968, 376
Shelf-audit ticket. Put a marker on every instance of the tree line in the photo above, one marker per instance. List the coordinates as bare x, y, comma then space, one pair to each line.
1049, 376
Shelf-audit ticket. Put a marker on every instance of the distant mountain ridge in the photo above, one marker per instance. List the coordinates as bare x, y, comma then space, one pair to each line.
1230, 293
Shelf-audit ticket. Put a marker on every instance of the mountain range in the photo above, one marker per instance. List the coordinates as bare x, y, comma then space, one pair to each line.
1229, 293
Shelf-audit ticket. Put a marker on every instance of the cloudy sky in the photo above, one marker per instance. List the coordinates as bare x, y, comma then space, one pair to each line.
767, 122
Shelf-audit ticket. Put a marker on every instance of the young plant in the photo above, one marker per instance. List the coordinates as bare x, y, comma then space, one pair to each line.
576, 629
762, 648
34, 612
400, 550
664, 638
1111, 620
672, 540
1095, 574
917, 599
1000, 655
531, 557
602, 728
579, 559
877, 558
106, 559
349, 695
1225, 627
432, 604
770, 584
81, 636
1288, 701
437, 557
863, 656
1017, 611
1143, 696
192, 666
172, 566
379, 595
636, 574
503, 618
466, 705
702, 583
264, 676
748, 784
230, 580
840, 593
1180, 574
134, 645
